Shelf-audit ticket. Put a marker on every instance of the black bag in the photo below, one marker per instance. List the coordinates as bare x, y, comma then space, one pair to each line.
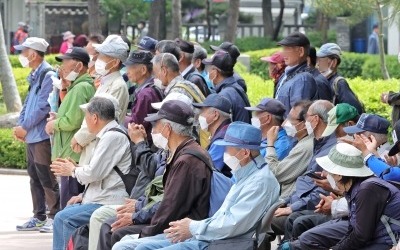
233, 244
79, 239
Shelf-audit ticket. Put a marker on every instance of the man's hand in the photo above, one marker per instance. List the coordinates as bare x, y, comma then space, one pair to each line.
391, 160
128, 207
282, 211
62, 167
179, 230
50, 127
75, 200
359, 143
123, 220
272, 135
75, 146
136, 132
324, 206
384, 97
19, 133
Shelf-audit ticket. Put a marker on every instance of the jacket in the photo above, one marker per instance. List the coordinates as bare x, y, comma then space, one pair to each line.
33, 117
283, 145
217, 152
70, 116
373, 47
191, 76
297, 84
230, 89
187, 188
394, 101
325, 91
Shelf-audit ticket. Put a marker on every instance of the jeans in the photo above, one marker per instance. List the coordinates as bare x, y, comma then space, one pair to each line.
68, 220
190, 244
130, 243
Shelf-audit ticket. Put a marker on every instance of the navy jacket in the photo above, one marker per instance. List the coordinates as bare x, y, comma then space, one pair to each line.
195, 77
325, 91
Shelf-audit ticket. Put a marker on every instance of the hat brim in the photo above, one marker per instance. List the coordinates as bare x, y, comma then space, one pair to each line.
215, 48
319, 54
253, 109
395, 149
153, 117
60, 58
207, 61
325, 163
157, 105
201, 105
268, 59
353, 130
19, 47
329, 130
230, 144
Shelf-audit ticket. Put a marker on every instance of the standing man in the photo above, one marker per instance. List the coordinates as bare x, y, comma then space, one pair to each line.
373, 45
31, 130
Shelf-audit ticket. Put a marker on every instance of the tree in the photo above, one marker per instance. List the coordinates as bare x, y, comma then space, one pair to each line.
157, 21
270, 30
10, 92
176, 19
94, 17
233, 17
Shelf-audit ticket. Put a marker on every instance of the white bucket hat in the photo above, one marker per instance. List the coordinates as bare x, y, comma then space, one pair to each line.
346, 160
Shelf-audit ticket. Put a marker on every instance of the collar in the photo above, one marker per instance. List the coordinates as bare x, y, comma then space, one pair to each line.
172, 83
111, 124
319, 143
224, 124
146, 83
34, 72
78, 80
110, 77
227, 81
293, 69
188, 68
249, 168
171, 156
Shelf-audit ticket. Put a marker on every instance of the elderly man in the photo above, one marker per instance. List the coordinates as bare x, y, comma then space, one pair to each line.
187, 179
31, 130
199, 54
69, 118
242, 209
267, 114
168, 46
221, 74
188, 71
297, 83
214, 117
103, 184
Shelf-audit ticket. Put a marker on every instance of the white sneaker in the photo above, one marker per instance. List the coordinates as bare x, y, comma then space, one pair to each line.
48, 227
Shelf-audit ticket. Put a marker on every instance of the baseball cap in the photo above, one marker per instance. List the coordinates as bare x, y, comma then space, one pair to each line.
274, 58
369, 122
229, 47
339, 114
221, 60
76, 53
185, 46
139, 57
295, 39
174, 111
396, 136
172, 97
269, 105
329, 49
147, 43
35, 43
113, 46
216, 101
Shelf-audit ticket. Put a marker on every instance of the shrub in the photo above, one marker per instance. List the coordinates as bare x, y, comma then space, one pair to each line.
12, 152
20, 75
372, 67
316, 38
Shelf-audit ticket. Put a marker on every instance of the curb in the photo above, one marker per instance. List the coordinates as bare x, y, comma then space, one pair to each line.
10, 171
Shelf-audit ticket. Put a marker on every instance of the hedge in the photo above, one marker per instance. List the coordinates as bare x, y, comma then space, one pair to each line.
12, 152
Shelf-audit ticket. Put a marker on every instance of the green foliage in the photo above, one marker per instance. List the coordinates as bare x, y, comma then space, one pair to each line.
245, 44
351, 64
257, 66
316, 38
371, 68
136, 10
12, 152
51, 59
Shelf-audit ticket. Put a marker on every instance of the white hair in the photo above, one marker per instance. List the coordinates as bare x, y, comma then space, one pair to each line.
179, 128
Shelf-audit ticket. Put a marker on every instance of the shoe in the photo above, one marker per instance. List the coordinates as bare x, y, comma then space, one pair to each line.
33, 224
48, 227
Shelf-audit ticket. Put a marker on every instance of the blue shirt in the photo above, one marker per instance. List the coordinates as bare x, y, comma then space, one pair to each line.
243, 207
382, 169
283, 145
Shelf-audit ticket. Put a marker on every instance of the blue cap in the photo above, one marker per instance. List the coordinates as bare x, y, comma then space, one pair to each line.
241, 135
369, 122
329, 49
269, 105
147, 43
216, 101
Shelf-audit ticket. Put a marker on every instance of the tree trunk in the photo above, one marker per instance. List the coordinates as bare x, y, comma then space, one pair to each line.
176, 19
384, 70
208, 19
94, 17
157, 25
233, 18
268, 22
279, 20
10, 92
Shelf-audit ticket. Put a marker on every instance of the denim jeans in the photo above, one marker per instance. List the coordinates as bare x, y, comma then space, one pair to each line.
68, 220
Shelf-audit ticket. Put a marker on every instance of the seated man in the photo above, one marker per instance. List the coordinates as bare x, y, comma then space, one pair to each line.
215, 116
103, 185
243, 207
267, 114
187, 179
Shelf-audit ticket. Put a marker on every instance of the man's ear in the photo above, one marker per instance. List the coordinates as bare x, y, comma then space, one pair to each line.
351, 123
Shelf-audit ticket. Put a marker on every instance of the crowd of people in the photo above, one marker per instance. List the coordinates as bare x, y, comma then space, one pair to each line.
159, 148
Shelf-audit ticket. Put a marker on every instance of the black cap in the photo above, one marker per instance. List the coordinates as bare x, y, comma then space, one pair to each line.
139, 57
295, 39
75, 53
269, 105
185, 46
216, 101
174, 111
231, 48
147, 43
221, 60
396, 136
369, 122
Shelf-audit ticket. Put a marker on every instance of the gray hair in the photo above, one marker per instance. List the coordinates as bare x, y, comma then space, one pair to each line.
168, 60
102, 107
380, 138
199, 52
188, 57
321, 108
179, 128
168, 46
278, 119
222, 113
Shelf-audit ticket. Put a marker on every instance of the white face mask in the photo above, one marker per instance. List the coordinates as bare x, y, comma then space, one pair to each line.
332, 182
160, 141
290, 129
158, 84
255, 121
100, 67
309, 128
203, 123
231, 161
56, 82
72, 76
24, 61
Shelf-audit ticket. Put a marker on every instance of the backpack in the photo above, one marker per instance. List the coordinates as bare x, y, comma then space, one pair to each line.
199, 98
79, 239
206, 88
41, 78
335, 87
130, 178
220, 184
